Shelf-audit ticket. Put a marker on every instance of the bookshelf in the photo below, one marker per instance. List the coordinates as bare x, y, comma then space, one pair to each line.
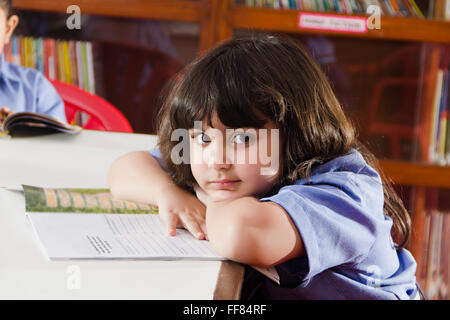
431, 35
201, 12
219, 19
417, 174
179, 22
286, 20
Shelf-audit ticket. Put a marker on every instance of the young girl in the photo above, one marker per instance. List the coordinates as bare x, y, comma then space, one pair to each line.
319, 212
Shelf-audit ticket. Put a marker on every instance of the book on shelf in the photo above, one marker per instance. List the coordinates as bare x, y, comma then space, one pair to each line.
435, 274
439, 136
68, 61
92, 224
31, 123
439, 9
447, 10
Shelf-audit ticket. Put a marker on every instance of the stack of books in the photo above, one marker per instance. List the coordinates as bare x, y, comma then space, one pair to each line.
67, 61
434, 275
405, 8
439, 149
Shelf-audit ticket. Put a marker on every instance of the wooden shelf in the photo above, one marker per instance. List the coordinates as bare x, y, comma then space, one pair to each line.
392, 28
416, 174
185, 11
181, 11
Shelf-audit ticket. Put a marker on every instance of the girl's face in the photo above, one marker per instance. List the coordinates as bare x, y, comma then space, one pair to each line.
233, 163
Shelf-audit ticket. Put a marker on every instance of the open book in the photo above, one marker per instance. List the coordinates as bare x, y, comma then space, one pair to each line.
33, 123
91, 224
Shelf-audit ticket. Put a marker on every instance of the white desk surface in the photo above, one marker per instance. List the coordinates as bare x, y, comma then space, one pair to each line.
82, 161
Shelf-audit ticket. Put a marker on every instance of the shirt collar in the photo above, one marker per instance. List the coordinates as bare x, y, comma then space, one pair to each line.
5, 70
2, 65
352, 162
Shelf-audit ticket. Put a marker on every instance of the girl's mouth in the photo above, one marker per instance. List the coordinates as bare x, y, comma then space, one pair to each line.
225, 183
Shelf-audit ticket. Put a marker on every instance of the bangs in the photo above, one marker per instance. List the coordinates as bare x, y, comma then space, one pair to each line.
224, 86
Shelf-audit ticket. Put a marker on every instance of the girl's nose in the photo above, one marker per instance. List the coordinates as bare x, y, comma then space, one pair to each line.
217, 158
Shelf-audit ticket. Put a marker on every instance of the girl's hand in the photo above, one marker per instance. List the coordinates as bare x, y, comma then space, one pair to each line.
4, 112
179, 208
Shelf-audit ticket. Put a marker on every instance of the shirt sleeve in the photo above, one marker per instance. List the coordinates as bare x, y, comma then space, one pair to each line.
156, 154
334, 224
47, 99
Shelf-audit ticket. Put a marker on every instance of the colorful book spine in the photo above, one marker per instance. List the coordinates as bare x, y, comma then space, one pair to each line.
447, 138
440, 121
443, 119
444, 287
405, 8
416, 8
60, 61
434, 277
68, 61
79, 65
435, 117
447, 10
90, 63
84, 66
439, 138
409, 9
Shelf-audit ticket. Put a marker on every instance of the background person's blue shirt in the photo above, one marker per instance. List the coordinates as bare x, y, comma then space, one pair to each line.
350, 254
27, 89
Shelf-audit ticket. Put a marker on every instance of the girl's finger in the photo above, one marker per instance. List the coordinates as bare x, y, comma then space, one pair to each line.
200, 219
203, 228
171, 221
192, 226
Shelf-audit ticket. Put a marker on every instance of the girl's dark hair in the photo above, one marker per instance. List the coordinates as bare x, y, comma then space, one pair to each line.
6, 5
268, 77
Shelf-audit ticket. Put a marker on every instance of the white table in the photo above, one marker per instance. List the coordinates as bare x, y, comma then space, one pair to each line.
61, 160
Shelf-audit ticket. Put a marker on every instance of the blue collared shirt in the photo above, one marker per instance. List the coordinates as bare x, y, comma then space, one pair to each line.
26, 89
350, 254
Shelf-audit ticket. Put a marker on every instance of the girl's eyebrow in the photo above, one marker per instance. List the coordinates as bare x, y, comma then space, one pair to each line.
203, 128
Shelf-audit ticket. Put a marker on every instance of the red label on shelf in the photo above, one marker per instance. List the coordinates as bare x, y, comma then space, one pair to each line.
329, 22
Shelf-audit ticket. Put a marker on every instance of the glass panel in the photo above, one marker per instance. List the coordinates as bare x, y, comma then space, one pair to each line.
390, 90
133, 58
423, 8
430, 240
377, 82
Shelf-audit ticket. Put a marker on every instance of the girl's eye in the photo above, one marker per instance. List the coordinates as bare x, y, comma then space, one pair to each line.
201, 138
243, 138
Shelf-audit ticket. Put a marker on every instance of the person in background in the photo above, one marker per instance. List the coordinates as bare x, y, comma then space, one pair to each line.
22, 88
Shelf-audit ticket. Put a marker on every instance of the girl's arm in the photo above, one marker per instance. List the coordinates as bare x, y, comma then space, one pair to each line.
137, 176
253, 232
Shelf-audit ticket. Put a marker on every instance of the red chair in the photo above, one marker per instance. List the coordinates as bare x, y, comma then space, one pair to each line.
102, 115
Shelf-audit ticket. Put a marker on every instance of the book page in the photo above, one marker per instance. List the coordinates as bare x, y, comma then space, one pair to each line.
115, 236
91, 224
73, 200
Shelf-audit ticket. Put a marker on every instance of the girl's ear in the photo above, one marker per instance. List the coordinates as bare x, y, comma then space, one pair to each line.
11, 25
